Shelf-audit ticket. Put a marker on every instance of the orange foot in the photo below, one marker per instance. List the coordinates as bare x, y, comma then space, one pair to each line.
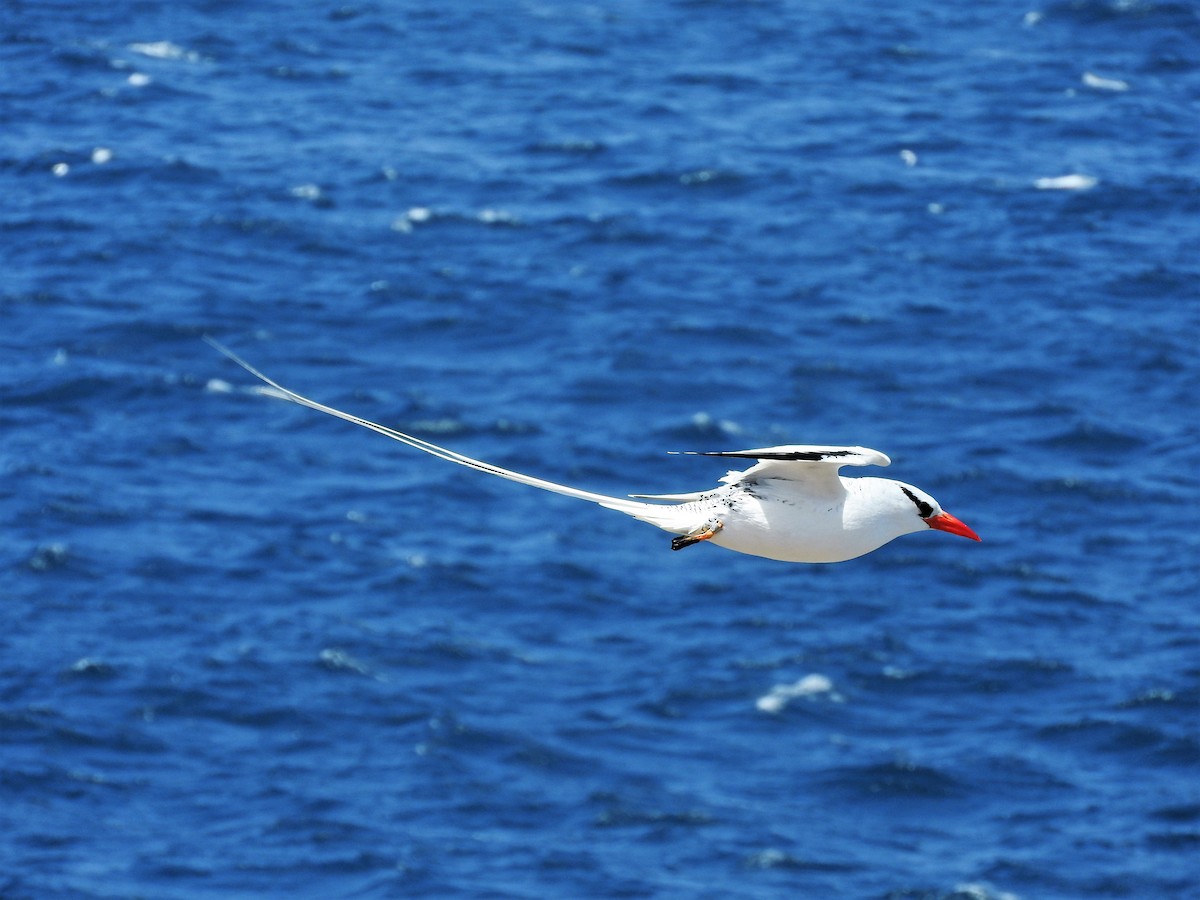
705, 532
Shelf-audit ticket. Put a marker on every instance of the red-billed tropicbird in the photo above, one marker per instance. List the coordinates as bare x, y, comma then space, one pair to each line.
791, 505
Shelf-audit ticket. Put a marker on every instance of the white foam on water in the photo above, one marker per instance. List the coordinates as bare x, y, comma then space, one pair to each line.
808, 686
1096, 82
1073, 182
164, 50
415, 216
977, 891
725, 426
496, 217
340, 661
158, 49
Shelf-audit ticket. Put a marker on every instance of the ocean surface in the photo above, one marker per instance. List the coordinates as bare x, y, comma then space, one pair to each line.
247, 650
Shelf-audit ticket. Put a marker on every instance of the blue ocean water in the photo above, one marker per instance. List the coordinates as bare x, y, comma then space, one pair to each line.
251, 651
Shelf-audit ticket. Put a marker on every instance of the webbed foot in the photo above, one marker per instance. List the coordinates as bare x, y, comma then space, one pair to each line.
705, 532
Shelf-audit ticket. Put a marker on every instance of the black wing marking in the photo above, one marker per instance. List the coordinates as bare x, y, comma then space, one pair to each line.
788, 455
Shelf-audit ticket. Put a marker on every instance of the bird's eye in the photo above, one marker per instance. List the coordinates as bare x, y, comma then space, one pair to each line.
924, 510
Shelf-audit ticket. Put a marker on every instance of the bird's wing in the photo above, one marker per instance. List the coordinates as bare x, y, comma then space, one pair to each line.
799, 462
665, 517
807, 454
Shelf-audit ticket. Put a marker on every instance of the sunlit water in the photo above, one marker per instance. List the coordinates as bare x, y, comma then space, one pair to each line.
252, 651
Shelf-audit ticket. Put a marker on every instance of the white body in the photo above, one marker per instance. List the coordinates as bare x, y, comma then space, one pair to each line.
775, 520
799, 510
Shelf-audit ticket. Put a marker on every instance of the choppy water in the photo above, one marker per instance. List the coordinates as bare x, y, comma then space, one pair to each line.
250, 651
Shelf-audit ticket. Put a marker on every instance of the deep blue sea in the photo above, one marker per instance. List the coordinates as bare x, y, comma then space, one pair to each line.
247, 650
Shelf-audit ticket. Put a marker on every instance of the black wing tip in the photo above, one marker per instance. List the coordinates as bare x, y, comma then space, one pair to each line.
790, 455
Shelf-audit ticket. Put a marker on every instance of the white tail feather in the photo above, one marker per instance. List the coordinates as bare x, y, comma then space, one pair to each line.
667, 517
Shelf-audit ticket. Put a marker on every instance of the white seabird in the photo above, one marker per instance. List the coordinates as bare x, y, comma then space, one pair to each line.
791, 505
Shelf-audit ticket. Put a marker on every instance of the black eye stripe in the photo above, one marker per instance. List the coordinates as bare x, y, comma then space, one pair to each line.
924, 510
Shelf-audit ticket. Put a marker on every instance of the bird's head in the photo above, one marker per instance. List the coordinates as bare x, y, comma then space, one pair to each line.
932, 514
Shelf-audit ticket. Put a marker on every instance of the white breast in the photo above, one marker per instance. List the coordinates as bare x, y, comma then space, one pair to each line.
784, 520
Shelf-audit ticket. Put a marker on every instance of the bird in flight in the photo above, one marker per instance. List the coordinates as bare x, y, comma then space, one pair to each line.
791, 505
